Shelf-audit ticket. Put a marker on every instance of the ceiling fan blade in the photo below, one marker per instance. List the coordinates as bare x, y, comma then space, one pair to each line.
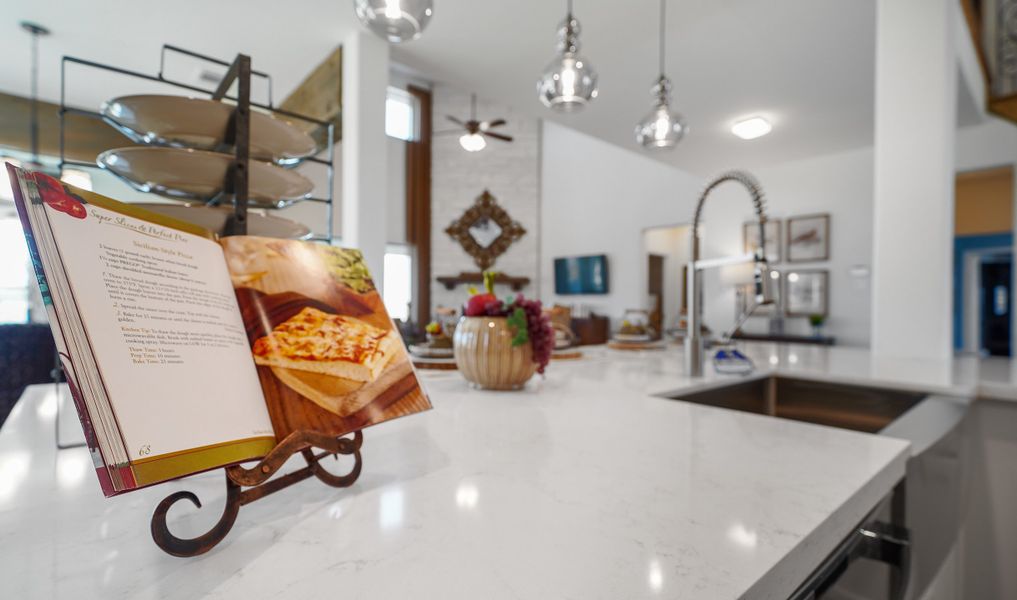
448, 132
455, 120
498, 136
495, 123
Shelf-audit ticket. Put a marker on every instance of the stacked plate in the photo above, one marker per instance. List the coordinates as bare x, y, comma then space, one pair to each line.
181, 122
214, 218
183, 173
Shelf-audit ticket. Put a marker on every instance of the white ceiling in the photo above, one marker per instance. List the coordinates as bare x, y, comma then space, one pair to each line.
806, 65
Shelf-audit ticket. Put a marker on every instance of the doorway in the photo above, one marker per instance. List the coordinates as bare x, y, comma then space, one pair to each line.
667, 250
983, 261
995, 290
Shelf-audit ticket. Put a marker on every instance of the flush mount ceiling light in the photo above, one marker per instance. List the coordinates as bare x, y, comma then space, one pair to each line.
569, 82
663, 128
395, 20
751, 128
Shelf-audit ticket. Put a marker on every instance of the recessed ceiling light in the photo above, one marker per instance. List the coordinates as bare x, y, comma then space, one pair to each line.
750, 129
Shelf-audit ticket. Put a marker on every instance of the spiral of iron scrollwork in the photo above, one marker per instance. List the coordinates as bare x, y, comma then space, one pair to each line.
260, 485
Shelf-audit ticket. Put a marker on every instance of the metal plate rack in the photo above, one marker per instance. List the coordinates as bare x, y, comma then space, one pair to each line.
238, 133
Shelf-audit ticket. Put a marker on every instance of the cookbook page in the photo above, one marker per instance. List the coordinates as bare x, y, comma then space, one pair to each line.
165, 330
329, 357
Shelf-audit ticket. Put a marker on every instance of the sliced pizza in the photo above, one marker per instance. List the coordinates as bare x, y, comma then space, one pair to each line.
320, 342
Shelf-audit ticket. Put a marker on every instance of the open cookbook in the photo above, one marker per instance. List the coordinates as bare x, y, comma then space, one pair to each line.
185, 352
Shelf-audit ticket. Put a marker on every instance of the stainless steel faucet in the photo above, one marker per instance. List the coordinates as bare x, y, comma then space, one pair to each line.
763, 285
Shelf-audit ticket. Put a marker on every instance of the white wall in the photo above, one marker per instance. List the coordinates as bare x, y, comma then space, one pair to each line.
916, 113
597, 198
510, 171
837, 184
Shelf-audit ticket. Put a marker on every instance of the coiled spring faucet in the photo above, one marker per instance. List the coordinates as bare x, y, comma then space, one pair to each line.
763, 285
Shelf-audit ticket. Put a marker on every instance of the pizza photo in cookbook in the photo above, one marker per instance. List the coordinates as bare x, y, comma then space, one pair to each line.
185, 351
329, 358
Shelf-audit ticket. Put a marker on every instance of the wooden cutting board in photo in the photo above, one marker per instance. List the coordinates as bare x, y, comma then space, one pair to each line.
344, 396
291, 411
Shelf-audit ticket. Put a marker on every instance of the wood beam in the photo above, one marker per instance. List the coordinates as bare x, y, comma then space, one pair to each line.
84, 137
320, 96
418, 203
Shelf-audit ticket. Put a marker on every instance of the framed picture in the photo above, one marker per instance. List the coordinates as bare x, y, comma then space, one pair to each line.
750, 239
806, 292
808, 238
746, 299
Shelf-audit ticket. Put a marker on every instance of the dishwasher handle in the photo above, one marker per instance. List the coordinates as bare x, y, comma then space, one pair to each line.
883, 542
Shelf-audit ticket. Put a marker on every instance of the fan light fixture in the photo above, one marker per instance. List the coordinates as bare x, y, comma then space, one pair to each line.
395, 20
569, 82
663, 127
752, 128
472, 142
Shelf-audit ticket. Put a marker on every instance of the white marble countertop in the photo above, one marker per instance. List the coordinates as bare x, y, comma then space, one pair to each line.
582, 486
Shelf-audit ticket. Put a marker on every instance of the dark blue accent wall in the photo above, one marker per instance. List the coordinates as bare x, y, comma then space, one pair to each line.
961, 245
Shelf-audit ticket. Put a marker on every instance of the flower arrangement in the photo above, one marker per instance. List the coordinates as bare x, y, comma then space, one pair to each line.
525, 317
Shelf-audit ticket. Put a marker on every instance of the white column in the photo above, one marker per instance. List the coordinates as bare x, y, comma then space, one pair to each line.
916, 96
364, 153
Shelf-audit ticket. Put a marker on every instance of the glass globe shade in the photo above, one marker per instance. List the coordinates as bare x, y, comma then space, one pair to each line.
472, 142
395, 20
568, 83
662, 128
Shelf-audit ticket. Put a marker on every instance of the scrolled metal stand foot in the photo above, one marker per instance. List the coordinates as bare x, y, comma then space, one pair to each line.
260, 486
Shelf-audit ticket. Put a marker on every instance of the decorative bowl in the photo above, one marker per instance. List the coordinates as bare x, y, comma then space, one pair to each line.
486, 357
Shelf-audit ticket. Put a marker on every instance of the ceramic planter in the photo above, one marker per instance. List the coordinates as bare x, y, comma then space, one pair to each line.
485, 355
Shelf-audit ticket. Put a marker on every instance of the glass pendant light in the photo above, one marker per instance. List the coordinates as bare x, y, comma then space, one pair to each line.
663, 127
395, 20
569, 82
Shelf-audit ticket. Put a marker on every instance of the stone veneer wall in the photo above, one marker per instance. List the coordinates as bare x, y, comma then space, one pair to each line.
511, 171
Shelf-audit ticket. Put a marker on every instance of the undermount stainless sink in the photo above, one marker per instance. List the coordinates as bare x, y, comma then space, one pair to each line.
845, 406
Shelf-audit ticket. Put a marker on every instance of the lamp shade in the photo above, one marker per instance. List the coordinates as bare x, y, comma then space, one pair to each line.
395, 20
662, 127
569, 81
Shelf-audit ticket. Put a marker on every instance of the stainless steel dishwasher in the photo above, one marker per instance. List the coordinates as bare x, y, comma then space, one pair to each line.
897, 551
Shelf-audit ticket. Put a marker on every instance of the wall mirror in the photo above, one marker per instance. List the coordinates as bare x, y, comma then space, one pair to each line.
485, 230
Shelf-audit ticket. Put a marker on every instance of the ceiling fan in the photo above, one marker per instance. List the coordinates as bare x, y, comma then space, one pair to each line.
476, 131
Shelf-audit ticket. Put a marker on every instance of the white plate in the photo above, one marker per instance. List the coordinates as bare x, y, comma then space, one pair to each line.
200, 123
199, 175
425, 351
214, 218
632, 337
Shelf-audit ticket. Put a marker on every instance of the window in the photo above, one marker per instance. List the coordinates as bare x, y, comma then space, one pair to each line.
401, 115
398, 289
14, 271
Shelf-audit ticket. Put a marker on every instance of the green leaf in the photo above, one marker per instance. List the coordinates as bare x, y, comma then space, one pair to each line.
517, 321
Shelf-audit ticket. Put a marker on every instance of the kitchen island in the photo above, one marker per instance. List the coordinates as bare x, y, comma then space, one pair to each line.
585, 485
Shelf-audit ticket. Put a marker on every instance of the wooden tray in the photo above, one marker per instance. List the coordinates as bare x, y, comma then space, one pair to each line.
658, 345
435, 364
567, 355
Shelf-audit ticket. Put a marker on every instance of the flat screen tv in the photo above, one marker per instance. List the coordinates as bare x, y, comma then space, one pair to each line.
580, 275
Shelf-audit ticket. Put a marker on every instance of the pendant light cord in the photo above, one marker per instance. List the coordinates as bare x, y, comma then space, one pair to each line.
662, 29
568, 8
34, 125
